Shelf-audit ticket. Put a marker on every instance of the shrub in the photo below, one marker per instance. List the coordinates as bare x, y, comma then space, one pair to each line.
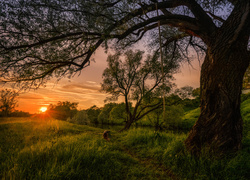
81, 117
174, 115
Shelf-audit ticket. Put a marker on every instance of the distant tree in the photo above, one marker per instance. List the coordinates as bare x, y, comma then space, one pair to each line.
104, 116
137, 80
118, 114
93, 113
174, 116
17, 113
81, 117
190, 97
8, 101
196, 93
184, 92
63, 110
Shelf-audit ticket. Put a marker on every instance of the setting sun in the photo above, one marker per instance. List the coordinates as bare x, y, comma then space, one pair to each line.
43, 109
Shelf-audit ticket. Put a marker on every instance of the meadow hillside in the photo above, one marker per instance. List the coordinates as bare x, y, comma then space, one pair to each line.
37, 148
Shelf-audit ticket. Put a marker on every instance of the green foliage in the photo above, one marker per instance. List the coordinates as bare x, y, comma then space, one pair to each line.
173, 99
93, 113
155, 119
190, 104
118, 114
104, 116
190, 118
81, 117
245, 112
184, 92
245, 109
196, 92
245, 97
63, 110
174, 116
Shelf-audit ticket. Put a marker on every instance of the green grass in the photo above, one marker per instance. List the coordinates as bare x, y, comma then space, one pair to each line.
49, 149
40, 149
168, 149
73, 157
245, 109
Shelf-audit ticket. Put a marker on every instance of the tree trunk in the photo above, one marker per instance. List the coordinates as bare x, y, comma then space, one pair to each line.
127, 125
218, 130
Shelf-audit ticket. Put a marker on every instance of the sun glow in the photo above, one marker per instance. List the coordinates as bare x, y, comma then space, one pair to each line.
43, 109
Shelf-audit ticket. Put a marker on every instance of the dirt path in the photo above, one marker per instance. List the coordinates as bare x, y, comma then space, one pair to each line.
150, 164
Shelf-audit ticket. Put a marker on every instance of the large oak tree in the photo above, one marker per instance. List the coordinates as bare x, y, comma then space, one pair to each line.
41, 39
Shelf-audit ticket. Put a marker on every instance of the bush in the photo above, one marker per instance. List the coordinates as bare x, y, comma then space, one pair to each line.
174, 115
81, 117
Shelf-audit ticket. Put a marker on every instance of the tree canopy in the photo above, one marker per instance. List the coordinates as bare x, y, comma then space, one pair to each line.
44, 39
63, 110
138, 80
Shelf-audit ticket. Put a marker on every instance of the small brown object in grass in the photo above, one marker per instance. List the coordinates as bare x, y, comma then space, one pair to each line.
105, 135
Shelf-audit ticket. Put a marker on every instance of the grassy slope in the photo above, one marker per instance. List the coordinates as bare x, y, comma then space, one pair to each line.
50, 149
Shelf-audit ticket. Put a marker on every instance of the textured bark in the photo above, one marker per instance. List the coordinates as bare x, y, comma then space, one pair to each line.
219, 127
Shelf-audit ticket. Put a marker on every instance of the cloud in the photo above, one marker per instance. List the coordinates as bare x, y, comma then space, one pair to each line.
91, 82
85, 87
30, 96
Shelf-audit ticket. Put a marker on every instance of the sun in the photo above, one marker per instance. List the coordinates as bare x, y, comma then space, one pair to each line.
43, 109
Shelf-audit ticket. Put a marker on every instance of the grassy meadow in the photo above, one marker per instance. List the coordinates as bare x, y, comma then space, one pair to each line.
36, 148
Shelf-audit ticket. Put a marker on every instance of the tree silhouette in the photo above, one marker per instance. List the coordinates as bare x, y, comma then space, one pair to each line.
8, 101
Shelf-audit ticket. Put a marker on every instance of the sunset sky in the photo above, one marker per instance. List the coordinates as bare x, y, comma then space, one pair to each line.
85, 89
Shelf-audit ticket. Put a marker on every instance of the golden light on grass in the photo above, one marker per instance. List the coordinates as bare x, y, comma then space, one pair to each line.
43, 109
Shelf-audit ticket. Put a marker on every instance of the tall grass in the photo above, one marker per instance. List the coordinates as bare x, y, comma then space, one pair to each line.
168, 149
71, 157
50, 149
59, 150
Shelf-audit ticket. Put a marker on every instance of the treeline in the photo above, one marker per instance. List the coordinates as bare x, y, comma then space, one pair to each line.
14, 113
177, 105
181, 101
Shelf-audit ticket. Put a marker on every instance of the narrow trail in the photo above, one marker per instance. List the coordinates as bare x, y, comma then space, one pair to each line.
160, 170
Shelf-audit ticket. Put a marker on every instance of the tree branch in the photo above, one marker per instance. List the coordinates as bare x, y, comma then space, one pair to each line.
173, 20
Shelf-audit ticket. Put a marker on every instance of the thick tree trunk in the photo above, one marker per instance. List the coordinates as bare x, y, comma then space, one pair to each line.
219, 127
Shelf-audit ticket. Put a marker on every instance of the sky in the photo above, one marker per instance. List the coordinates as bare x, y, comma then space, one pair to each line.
85, 88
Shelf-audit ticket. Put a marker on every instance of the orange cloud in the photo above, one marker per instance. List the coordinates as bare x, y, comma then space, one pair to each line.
82, 86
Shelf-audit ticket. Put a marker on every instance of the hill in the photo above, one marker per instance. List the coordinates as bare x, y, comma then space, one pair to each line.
37, 148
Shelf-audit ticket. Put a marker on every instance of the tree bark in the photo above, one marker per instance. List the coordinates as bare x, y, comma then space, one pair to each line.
127, 125
219, 127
